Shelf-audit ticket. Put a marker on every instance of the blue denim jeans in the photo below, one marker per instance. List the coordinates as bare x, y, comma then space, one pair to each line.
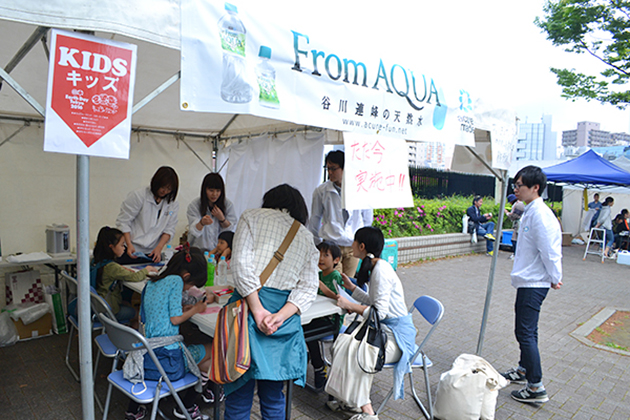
610, 237
238, 405
527, 309
486, 228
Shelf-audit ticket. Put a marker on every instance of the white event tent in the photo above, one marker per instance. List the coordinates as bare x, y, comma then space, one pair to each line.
38, 187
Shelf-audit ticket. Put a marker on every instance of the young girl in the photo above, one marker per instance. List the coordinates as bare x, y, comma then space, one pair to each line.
163, 313
110, 244
210, 214
387, 296
224, 246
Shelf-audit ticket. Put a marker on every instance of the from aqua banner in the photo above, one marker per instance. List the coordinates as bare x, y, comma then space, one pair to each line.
239, 57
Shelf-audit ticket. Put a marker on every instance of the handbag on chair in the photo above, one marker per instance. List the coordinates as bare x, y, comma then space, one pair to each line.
231, 356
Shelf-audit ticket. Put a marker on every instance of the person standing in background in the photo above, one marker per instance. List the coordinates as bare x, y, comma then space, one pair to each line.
514, 215
148, 217
595, 204
330, 222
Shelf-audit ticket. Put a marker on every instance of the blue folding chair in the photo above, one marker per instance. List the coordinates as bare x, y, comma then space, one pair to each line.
432, 311
127, 339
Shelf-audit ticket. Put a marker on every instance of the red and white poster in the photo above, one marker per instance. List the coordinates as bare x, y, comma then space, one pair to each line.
90, 95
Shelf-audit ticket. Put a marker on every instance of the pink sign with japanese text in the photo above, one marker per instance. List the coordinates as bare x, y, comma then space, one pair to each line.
376, 173
90, 95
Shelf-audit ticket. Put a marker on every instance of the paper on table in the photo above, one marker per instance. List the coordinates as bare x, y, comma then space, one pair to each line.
211, 310
342, 292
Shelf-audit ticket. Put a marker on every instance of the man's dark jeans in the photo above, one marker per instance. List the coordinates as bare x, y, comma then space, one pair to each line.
527, 310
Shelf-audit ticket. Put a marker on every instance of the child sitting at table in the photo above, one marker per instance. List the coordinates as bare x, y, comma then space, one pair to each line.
224, 246
329, 257
163, 312
107, 276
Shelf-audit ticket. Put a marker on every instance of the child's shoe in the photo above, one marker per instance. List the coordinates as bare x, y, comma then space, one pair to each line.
195, 413
138, 415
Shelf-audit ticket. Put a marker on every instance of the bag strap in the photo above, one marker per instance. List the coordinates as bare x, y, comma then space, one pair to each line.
278, 256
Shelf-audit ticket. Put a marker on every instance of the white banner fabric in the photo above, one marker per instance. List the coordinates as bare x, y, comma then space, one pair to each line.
376, 172
241, 59
90, 95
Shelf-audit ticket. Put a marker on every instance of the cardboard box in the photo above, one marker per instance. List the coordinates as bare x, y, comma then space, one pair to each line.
24, 287
40, 328
221, 293
567, 237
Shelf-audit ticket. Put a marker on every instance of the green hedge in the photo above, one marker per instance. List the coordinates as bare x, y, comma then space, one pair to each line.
435, 216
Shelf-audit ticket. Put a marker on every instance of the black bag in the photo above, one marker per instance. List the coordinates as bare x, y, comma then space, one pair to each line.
171, 360
471, 227
376, 337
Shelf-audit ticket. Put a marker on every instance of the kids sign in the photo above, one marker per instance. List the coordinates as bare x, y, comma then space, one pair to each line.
90, 92
376, 173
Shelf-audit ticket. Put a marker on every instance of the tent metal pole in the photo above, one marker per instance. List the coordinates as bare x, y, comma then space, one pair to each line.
156, 92
486, 308
194, 153
22, 92
37, 34
83, 292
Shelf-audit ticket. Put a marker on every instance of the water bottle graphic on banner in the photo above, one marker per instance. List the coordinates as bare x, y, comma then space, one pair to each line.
266, 76
234, 87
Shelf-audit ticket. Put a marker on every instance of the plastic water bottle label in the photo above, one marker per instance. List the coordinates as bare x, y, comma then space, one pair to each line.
233, 42
268, 92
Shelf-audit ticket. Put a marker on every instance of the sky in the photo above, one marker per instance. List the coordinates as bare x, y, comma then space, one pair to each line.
490, 47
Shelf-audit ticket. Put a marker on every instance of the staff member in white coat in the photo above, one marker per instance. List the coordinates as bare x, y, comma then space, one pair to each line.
210, 214
148, 216
330, 222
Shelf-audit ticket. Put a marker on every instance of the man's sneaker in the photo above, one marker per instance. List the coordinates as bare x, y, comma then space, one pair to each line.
208, 395
526, 395
335, 405
489, 237
138, 415
511, 257
489, 254
195, 413
515, 376
320, 379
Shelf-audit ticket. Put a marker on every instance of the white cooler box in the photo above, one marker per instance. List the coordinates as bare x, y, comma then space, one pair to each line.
623, 257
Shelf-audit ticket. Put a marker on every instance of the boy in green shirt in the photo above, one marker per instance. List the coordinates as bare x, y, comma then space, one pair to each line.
329, 256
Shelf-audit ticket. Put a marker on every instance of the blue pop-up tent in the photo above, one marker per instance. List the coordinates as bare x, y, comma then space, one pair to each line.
588, 169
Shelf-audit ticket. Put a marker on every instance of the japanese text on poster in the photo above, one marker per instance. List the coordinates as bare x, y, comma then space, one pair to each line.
90, 93
376, 173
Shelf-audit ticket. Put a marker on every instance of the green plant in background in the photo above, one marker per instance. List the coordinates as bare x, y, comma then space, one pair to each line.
434, 216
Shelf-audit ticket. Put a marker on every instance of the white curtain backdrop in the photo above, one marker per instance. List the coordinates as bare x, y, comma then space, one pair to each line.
258, 164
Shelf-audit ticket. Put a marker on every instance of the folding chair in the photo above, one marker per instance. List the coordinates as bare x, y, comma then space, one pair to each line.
431, 310
103, 343
596, 236
74, 326
127, 339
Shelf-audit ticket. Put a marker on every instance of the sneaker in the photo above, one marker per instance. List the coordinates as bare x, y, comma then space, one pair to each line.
489, 237
364, 416
208, 395
320, 379
138, 415
335, 405
511, 257
515, 376
526, 395
195, 413
489, 254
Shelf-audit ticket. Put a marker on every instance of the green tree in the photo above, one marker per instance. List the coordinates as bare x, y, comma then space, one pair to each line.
600, 28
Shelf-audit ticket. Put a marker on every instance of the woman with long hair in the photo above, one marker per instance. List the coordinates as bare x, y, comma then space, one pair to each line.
210, 214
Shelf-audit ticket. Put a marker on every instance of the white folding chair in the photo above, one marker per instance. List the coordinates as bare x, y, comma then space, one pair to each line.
432, 311
127, 339
596, 236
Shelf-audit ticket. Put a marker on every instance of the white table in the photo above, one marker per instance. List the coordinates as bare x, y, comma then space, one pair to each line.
56, 263
321, 307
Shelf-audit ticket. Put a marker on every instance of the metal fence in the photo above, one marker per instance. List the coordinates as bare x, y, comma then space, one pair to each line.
432, 183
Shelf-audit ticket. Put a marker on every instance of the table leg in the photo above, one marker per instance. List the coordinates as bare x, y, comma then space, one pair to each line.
288, 399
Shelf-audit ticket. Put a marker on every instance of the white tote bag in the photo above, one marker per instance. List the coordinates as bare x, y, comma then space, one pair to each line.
347, 381
469, 390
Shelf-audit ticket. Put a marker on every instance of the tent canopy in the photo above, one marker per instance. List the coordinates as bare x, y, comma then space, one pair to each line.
589, 169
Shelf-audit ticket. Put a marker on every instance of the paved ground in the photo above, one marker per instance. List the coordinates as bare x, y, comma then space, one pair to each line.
583, 382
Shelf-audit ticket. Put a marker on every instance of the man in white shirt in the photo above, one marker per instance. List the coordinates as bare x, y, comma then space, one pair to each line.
537, 267
332, 223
